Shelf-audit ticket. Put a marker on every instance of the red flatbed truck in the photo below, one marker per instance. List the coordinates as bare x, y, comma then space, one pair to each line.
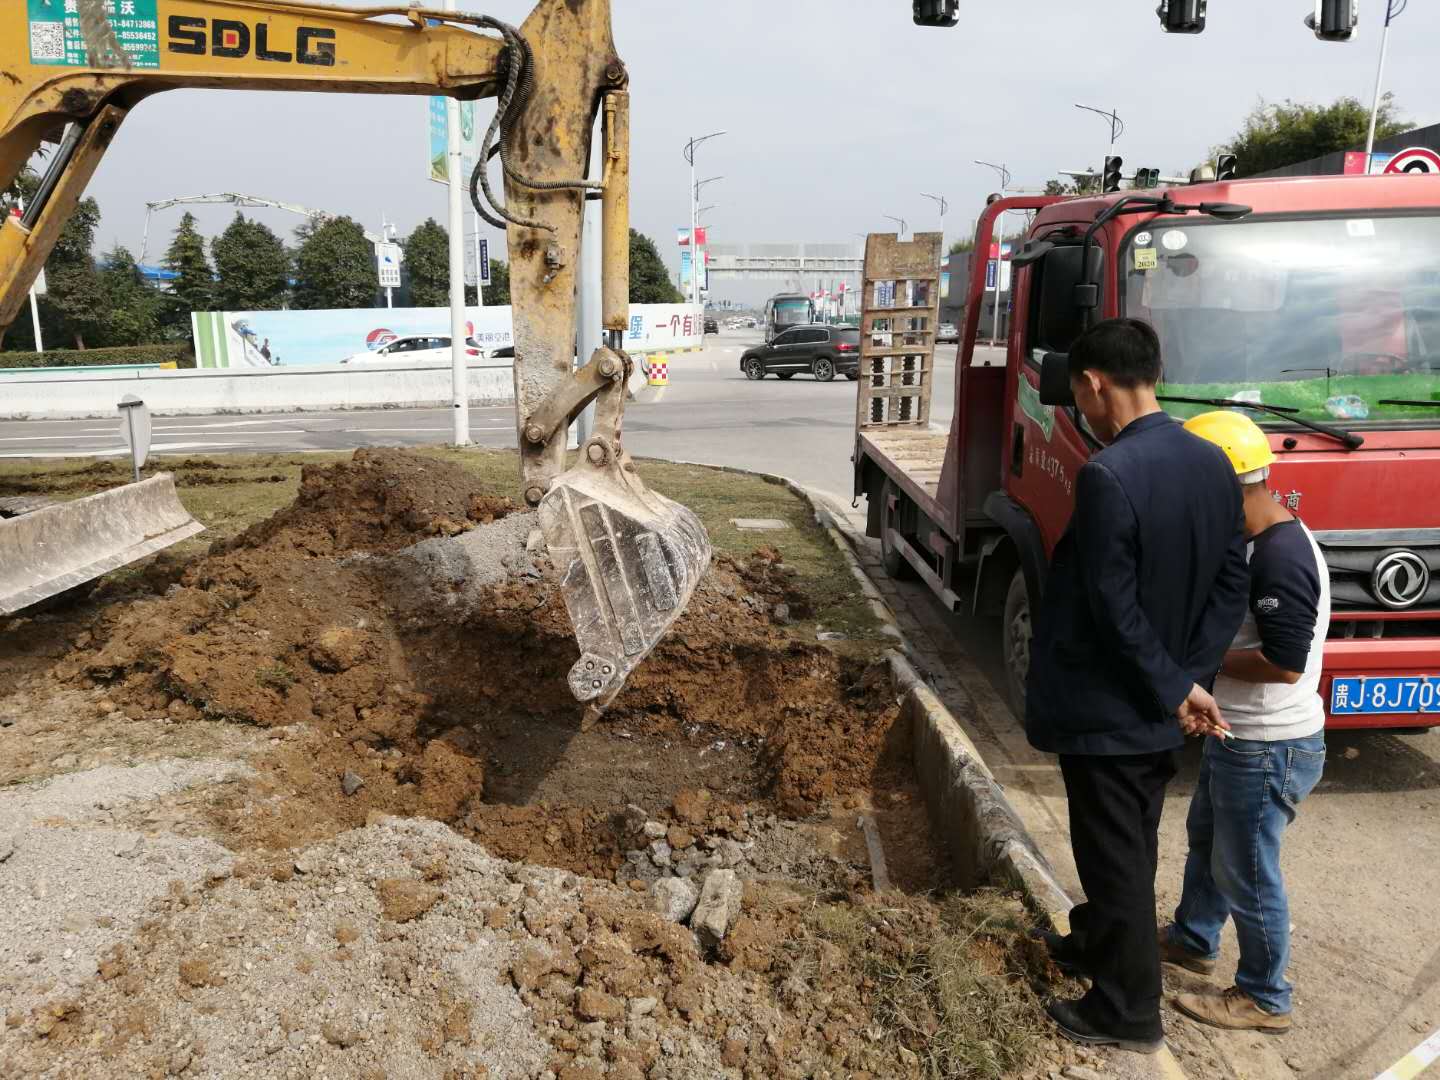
1318, 311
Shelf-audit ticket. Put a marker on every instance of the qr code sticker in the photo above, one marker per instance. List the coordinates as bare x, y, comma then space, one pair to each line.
47, 41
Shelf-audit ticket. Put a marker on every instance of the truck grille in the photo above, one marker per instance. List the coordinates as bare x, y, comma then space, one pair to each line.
1382, 629
1354, 556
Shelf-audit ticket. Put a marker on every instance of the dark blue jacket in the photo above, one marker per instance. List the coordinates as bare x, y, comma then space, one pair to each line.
1146, 591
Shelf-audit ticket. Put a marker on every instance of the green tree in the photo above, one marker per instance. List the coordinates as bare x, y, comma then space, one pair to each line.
252, 267
960, 247
427, 264
1275, 135
194, 287
1079, 185
133, 308
497, 293
649, 280
334, 266
75, 298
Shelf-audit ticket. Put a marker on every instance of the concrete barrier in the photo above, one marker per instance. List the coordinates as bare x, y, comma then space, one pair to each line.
60, 395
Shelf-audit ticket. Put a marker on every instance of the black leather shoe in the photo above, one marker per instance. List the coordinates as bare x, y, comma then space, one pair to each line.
1067, 1018
1055, 944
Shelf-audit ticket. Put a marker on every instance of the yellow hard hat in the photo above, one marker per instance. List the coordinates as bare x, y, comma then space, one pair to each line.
1240, 437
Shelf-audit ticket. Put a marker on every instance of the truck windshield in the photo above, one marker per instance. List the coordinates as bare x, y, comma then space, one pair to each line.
1328, 316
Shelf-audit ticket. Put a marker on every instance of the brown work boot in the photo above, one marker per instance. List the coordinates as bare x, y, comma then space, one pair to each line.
1172, 953
1233, 1010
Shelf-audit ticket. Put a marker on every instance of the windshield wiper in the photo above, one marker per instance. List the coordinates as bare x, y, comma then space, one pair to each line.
1285, 412
1402, 401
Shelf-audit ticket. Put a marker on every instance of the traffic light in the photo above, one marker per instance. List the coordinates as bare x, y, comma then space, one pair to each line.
937, 12
1225, 167
1181, 16
1110, 181
1147, 178
1334, 20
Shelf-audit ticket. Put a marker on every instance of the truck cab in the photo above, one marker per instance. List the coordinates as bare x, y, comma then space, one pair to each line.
1322, 301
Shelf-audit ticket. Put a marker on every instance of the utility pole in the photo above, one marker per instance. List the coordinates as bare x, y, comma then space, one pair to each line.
34, 306
1392, 9
694, 203
459, 379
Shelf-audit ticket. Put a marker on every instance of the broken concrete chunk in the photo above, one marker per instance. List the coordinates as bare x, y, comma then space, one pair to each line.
660, 853
653, 830
129, 847
674, 898
350, 783
718, 907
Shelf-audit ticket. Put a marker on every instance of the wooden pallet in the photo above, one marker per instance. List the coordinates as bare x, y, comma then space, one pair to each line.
900, 315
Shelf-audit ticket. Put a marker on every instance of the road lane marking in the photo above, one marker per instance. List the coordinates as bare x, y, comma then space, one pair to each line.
1415, 1062
115, 451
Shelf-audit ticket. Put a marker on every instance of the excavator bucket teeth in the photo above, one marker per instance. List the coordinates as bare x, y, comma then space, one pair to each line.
57, 547
629, 560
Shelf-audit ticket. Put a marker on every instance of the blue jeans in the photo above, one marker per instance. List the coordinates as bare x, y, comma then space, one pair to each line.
1246, 795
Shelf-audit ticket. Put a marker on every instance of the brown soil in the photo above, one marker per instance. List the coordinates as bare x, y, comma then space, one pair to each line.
298, 625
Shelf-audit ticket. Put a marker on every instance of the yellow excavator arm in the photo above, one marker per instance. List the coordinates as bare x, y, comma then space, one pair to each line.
628, 559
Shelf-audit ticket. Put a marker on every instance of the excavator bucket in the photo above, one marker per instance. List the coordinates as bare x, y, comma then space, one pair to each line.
629, 561
54, 548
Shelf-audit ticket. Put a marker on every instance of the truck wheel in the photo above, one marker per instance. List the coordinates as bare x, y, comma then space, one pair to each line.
754, 369
823, 369
1015, 633
897, 567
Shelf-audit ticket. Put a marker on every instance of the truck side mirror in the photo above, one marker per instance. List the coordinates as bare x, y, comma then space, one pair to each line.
1055, 380
1032, 252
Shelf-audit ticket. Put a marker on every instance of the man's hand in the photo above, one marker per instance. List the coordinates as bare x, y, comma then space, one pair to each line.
1200, 715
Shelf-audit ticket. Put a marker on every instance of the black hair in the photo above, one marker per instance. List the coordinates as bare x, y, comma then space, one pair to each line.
1127, 350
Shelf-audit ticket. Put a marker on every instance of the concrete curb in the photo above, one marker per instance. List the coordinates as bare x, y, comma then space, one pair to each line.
986, 837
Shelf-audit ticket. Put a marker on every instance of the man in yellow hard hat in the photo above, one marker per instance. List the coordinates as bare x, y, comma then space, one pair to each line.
1250, 784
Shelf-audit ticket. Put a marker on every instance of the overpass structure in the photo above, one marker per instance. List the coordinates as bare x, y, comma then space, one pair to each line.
801, 267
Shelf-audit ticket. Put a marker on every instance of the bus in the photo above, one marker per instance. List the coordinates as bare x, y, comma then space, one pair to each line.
785, 310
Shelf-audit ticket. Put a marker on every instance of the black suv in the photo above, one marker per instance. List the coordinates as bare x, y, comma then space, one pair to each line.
823, 351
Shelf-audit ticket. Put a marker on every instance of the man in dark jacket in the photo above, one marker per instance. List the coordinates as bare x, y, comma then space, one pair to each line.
1146, 590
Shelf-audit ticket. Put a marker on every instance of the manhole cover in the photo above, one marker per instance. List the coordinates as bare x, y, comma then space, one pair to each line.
759, 524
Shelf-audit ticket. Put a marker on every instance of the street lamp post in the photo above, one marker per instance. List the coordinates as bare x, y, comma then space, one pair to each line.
1392, 9
694, 202
1000, 239
944, 205
1117, 128
899, 221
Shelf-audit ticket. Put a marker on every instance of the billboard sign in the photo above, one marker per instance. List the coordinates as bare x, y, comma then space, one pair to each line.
469, 144
240, 339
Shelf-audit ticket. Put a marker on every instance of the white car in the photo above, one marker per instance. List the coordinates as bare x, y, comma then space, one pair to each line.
420, 348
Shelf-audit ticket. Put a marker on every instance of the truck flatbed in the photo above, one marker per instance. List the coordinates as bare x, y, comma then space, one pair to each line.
913, 458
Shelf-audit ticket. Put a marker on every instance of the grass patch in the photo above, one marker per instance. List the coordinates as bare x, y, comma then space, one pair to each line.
229, 492
955, 992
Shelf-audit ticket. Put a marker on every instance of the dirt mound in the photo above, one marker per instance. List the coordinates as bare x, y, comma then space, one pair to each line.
303, 625
379, 501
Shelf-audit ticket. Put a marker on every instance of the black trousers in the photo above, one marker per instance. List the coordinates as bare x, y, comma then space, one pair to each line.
1115, 805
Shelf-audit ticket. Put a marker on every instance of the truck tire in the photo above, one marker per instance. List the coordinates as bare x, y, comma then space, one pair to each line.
823, 369
897, 567
754, 369
1015, 635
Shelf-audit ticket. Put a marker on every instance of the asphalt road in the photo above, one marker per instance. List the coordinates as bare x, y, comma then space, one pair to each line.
709, 413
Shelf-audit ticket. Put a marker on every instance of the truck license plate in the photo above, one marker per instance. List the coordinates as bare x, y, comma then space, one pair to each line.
1387, 694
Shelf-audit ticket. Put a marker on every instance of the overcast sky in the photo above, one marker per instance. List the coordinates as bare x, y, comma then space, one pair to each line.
838, 111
